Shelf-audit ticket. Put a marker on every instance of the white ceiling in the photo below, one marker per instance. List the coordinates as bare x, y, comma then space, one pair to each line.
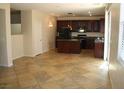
62, 9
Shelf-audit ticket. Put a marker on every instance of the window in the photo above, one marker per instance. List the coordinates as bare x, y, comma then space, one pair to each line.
121, 35
121, 54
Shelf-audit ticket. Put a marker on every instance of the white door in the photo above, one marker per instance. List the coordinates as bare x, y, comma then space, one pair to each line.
38, 36
39, 41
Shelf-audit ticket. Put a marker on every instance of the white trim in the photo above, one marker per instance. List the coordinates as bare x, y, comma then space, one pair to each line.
105, 35
4, 65
17, 57
28, 56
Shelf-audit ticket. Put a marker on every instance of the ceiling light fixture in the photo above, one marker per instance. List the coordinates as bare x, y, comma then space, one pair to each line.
89, 13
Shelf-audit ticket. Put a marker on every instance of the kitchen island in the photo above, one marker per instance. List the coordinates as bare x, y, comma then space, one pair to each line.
68, 46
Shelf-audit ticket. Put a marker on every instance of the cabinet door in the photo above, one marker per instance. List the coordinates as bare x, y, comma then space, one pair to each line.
90, 43
85, 25
102, 25
95, 26
89, 26
62, 46
75, 25
63, 23
99, 50
58, 26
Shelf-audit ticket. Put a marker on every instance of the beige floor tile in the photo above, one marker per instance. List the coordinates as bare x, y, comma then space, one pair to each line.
56, 70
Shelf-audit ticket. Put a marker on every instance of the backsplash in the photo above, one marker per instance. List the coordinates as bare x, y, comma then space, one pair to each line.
90, 34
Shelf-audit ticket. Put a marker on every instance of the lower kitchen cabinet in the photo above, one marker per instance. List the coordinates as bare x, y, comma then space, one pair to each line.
99, 49
90, 43
68, 46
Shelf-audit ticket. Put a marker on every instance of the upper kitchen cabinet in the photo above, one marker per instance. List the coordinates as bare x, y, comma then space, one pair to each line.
75, 26
83, 24
63, 23
102, 25
95, 26
87, 25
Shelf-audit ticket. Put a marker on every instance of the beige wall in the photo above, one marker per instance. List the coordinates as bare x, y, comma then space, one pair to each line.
26, 22
52, 32
36, 30
47, 33
7, 58
116, 70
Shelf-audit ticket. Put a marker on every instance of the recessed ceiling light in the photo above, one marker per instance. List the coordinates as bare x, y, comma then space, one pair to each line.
89, 13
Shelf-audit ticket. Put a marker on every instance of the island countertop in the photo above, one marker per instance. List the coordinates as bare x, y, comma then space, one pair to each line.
68, 39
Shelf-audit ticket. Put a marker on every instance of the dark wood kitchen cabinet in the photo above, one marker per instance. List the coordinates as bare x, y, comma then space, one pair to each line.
68, 46
90, 42
99, 49
102, 25
63, 23
87, 25
95, 26
74, 25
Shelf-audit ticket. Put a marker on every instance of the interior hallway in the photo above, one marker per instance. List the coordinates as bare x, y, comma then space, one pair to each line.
56, 70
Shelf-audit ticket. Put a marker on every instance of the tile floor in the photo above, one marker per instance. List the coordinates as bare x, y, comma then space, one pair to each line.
53, 70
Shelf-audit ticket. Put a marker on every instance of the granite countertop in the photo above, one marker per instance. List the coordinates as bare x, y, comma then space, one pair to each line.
68, 40
99, 40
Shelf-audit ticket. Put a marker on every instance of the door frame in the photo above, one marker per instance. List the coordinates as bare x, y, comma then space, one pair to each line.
107, 35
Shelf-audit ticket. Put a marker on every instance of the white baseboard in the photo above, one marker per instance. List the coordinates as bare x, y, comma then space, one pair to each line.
17, 57
34, 54
5, 65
